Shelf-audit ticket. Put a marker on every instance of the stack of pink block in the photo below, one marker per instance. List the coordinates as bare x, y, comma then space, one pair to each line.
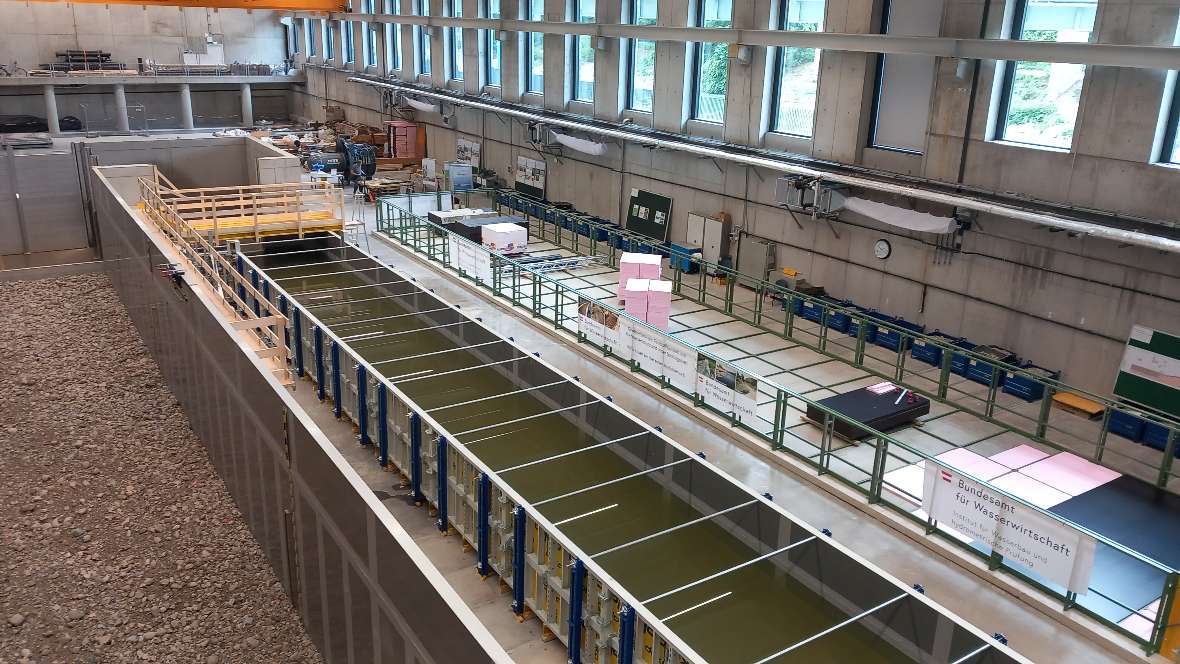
635, 295
659, 303
638, 266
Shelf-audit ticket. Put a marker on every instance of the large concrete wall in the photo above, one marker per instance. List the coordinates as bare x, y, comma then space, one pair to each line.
35, 31
213, 105
1061, 302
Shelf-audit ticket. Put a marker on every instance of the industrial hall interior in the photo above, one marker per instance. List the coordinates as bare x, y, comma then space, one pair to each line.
589, 331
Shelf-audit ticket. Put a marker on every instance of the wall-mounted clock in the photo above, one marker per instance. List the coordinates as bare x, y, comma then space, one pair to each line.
882, 249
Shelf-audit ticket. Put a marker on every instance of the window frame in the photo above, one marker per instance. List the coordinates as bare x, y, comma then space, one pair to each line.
422, 41
308, 32
392, 37
348, 48
777, 85
632, 59
368, 37
528, 51
493, 44
1004, 105
329, 40
698, 57
455, 43
575, 59
1170, 151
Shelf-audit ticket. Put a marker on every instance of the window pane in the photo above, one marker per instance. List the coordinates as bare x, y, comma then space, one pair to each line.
641, 80
798, 70
423, 40
1043, 96
584, 55
712, 63
349, 51
311, 45
905, 82
493, 63
643, 74
535, 51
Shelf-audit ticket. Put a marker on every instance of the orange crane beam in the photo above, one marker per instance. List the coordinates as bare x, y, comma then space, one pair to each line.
292, 5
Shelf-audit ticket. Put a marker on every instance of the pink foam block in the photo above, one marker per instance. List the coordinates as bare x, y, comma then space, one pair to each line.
969, 462
635, 294
1024, 487
1019, 456
1070, 473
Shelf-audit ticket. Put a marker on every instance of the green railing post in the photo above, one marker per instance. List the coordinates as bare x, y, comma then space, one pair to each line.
1100, 447
730, 283
823, 329
1046, 408
789, 319
1169, 456
759, 297
776, 433
825, 443
877, 480
944, 373
899, 363
858, 359
536, 308
677, 281
1159, 630
992, 390
702, 285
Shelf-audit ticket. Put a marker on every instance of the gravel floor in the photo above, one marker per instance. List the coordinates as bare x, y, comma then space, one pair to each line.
118, 542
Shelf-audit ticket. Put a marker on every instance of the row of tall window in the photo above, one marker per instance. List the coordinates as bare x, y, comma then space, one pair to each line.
1038, 101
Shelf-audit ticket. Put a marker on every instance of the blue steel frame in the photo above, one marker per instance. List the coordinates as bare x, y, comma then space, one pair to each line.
362, 404
483, 527
577, 596
626, 635
337, 405
416, 457
382, 426
318, 336
297, 322
441, 497
518, 523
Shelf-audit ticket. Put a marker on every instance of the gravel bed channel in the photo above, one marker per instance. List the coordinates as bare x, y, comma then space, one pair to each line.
118, 541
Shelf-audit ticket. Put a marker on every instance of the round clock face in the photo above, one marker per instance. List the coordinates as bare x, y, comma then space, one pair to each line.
882, 249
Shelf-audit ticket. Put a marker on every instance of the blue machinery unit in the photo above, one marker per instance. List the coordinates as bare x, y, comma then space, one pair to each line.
599, 620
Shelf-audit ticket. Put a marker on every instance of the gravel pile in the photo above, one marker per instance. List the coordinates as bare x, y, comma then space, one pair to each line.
118, 542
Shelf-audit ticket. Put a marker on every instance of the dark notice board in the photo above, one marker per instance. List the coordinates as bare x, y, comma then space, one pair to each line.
649, 214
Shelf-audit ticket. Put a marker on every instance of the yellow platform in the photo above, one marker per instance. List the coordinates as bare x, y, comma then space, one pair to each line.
1076, 403
267, 225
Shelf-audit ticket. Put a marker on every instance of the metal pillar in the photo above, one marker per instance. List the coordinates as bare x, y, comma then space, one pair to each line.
247, 106
440, 500
336, 396
626, 635
318, 336
297, 319
577, 591
483, 526
186, 106
285, 310
382, 426
51, 117
362, 403
121, 122
416, 457
518, 523
253, 298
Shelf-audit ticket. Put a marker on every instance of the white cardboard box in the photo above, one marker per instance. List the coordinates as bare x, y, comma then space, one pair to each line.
505, 238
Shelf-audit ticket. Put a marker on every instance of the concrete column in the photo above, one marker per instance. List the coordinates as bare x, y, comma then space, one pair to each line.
317, 38
247, 106
121, 122
378, 37
358, 45
186, 106
51, 117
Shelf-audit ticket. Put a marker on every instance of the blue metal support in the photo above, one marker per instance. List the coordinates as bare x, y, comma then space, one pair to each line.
266, 297
626, 635
336, 405
284, 309
382, 426
297, 320
242, 272
484, 526
577, 597
362, 403
254, 298
416, 457
440, 500
318, 339
519, 516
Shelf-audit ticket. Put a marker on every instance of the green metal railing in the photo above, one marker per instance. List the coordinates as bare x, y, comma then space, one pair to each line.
862, 467
581, 234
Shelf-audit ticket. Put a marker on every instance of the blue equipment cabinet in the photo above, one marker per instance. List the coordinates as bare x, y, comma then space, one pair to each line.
892, 339
981, 371
682, 258
812, 310
1126, 425
925, 351
959, 361
1026, 387
870, 327
840, 320
1156, 435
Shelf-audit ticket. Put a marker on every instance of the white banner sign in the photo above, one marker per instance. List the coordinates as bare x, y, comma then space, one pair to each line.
467, 151
603, 327
727, 389
471, 258
1019, 533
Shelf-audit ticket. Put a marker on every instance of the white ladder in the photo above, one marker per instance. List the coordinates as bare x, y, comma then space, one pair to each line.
355, 228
